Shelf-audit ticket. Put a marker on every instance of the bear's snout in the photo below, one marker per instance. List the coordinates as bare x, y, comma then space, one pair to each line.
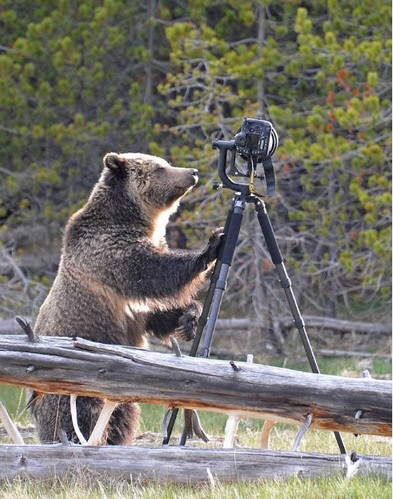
194, 173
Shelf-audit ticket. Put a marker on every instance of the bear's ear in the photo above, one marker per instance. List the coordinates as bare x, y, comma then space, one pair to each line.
115, 162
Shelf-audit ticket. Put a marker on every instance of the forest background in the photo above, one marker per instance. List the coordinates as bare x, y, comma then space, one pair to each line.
79, 78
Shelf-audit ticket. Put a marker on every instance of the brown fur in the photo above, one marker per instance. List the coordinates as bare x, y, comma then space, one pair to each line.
118, 281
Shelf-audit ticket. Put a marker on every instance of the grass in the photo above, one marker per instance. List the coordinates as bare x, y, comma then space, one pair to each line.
325, 488
15, 400
248, 435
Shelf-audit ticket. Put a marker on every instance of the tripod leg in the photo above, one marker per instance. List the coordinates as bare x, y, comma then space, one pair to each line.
195, 344
232, 225
277, 259
219, 283
231, 234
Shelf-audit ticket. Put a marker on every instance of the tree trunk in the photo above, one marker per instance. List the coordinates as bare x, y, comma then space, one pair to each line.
64, 366
261, 16
163, 464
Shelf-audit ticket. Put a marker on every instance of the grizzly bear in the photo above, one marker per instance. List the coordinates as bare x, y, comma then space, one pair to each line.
118, 282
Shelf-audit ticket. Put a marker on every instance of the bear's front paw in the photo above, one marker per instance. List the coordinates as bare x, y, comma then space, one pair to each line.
188, 322
214, 244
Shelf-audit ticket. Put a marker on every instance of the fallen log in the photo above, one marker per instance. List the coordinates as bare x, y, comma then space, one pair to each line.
9, 326
343, 326
311, 321
325, 352
65, 366
182, 465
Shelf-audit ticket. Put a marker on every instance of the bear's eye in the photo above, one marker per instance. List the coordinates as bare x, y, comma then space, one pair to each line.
159, 169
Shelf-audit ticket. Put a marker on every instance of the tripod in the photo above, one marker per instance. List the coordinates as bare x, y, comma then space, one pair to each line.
218, 280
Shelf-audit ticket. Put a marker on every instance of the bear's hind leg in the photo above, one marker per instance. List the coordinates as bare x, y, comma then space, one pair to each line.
123, 424
52, 413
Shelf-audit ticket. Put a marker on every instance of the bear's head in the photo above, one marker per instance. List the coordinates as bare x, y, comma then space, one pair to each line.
148, 178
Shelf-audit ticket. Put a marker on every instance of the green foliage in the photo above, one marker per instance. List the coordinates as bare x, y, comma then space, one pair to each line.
322, 75
346, 149
72, 89
79, 79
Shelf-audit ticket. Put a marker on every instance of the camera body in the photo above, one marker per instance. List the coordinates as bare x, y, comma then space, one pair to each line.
256, 138
255, 142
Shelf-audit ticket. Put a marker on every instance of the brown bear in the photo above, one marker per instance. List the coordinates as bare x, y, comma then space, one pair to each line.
118, 282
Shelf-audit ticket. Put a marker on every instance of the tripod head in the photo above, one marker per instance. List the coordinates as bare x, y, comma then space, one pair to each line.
255, 142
